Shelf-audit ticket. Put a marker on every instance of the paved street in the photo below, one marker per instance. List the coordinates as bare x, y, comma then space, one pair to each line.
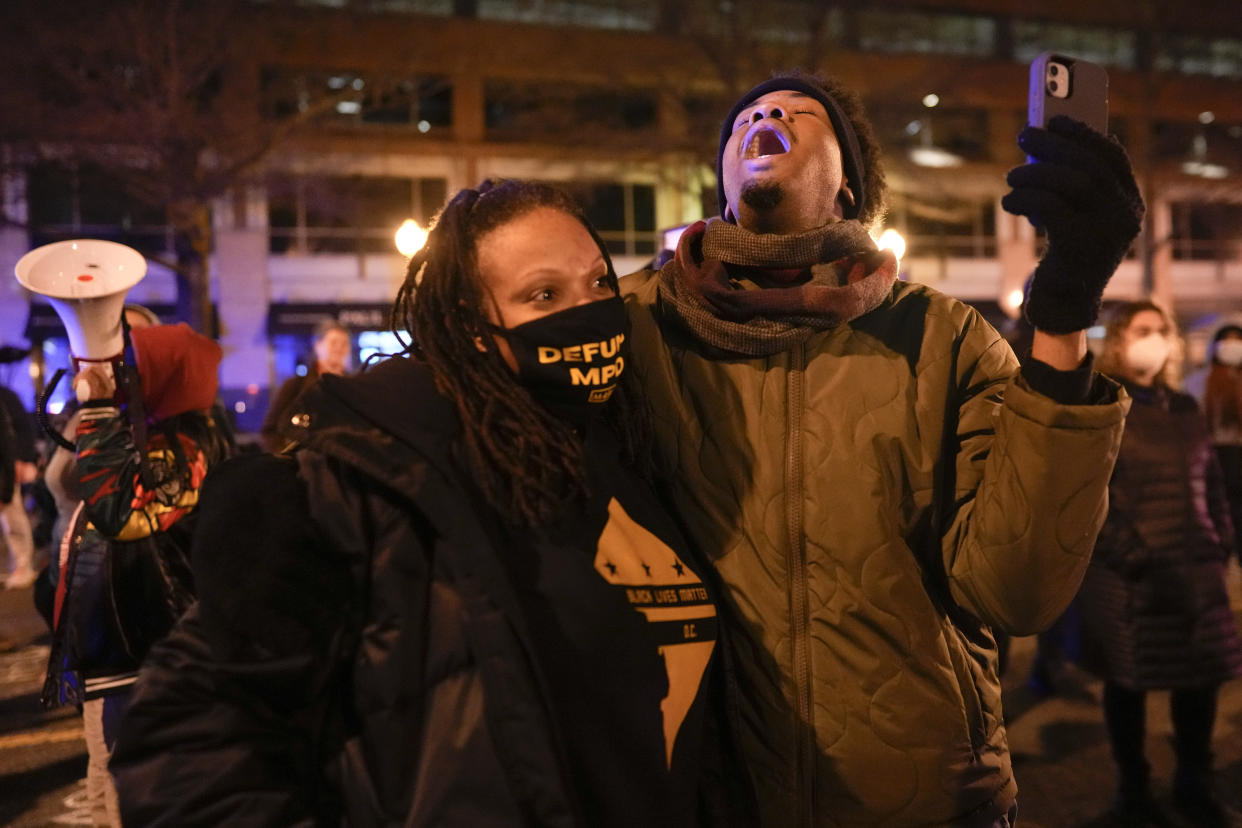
42, 755
1062, 761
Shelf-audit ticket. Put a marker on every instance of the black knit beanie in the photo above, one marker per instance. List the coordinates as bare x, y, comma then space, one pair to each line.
851, 156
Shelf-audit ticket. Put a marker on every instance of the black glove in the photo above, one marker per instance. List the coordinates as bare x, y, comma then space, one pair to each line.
1081, 190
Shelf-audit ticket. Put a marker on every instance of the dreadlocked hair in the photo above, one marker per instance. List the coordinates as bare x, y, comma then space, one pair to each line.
527, 463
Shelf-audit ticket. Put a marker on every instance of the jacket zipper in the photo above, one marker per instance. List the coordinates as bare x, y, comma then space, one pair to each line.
804, 726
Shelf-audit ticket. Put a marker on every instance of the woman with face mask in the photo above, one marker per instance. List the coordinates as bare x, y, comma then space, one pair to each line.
1154, 606
463, 603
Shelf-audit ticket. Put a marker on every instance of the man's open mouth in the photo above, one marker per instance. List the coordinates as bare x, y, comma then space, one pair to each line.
763, 141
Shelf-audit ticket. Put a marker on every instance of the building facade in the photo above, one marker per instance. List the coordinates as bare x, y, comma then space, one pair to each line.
388, 106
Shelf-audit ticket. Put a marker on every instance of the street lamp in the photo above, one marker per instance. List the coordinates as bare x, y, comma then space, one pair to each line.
410, 238
890, 239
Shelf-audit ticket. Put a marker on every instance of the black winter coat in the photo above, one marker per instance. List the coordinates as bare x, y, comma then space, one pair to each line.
357, 652
1155, 610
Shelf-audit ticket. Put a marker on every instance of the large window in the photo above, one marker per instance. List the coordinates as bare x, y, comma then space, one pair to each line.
66, 201
566, 112
600, 14
346, 214
1108, 46
623, 214
422, 103
1221, 57
1211, 231
901, 127
946, 227
942, 34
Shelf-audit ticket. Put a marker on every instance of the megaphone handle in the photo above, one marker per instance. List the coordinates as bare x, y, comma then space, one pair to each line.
96, 379
41, 414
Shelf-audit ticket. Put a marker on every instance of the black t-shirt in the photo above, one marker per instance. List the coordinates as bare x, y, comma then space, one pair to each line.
625, 632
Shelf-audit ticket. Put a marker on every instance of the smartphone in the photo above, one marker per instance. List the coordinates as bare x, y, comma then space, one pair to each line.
1062, 85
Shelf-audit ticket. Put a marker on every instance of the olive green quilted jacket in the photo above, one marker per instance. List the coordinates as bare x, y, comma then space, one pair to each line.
875, 500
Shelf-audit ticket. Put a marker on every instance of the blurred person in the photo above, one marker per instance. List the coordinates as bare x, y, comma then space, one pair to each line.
61, 481
1221, 398
331, 343
18, 467
125, 575
60, 473
876, 480
463, 604
140, 316
60, 477
1154, 606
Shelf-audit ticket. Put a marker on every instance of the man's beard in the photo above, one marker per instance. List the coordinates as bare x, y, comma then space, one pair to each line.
762, 198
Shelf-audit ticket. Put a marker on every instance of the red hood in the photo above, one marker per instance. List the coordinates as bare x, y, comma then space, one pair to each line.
179, 369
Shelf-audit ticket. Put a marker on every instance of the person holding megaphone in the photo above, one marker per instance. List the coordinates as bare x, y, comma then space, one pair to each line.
143, 443
127, 576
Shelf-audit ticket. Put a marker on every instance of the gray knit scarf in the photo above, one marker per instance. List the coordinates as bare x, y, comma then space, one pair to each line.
722, 306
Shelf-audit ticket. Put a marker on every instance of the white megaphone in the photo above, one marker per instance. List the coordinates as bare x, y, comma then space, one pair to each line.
85, 280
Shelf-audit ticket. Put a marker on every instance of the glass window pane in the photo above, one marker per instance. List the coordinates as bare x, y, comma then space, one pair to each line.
1107, 46
1220, 57
522, 112
946, 34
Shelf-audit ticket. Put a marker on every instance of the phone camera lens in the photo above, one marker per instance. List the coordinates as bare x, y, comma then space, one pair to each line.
1054, 70
1052, 86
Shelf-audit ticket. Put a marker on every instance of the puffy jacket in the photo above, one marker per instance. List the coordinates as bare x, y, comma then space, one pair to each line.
1154, 603
875, 499
358, 653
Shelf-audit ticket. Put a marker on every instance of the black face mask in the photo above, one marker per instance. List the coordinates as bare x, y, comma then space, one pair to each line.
571, 360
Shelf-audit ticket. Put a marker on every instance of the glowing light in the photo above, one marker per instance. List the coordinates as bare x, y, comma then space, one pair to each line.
1207, 117
1013, 299
56, 407
424, 126
252, 388
1205, 170
890, 239
934, 157
410, 238
931, 99
239, 407
348, 107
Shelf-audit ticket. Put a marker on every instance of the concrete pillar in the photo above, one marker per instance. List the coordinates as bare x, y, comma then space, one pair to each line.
469, 122
1160, 226
1015, 248
242, 292
14, 301
1015, 238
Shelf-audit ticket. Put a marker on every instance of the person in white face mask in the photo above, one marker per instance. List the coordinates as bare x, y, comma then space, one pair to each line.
1154, 608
